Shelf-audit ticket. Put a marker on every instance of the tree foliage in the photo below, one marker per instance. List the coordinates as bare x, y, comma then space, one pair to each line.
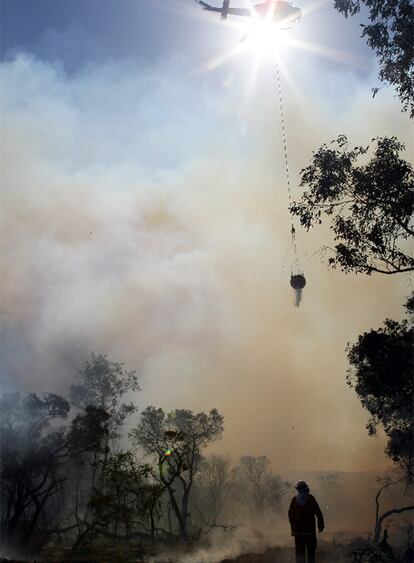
99, 396
368, 201
259, 487
69, 479
216, 482
176, 440
381, 373
102, 385
390, 33
88, 431
32, 452
129, 500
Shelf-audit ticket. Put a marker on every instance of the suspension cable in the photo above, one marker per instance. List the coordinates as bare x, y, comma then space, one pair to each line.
286, 159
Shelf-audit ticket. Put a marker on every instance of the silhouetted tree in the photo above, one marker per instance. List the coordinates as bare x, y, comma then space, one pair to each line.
99, 395
387, 482
130, 502
176, 440
390, 33
259, 487
102, 385
32, 452
87, 440
381, 373
369, 205
215, 482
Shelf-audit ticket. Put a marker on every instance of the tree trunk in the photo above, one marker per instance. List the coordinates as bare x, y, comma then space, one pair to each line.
184, 512
385, 515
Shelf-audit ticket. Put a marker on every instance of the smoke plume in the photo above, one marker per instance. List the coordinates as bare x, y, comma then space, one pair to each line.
145, 217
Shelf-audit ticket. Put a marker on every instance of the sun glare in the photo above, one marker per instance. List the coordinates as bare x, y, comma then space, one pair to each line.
264, 38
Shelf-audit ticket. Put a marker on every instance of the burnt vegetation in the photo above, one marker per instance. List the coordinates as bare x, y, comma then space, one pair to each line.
89, 477
73, 477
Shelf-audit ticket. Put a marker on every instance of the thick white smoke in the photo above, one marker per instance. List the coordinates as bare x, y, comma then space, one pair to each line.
145, 216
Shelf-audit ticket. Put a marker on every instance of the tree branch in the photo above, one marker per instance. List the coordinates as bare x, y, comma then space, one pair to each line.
396, 271
386, 515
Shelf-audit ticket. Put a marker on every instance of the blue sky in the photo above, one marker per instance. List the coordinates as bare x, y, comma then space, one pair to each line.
79, 32
144, 212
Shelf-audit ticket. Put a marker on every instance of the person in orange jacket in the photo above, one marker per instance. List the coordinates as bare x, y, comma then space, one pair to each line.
302, 512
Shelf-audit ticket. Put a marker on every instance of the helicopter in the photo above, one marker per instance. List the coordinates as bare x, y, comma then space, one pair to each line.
276, 10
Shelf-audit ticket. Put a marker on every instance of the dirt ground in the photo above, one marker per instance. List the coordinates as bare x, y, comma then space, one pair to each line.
326, 554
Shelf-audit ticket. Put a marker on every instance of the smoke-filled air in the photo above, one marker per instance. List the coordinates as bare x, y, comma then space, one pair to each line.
206, 281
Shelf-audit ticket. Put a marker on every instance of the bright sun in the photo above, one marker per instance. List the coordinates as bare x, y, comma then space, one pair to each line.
264, 37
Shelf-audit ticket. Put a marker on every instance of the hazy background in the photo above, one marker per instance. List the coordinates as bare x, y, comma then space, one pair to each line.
144, 215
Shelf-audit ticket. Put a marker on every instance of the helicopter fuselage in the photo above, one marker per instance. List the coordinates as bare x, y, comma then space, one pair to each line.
275, 10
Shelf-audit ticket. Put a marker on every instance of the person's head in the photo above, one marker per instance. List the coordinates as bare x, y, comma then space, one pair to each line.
302, 487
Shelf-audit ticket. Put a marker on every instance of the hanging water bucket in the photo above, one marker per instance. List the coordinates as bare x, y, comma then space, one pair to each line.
297, 281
